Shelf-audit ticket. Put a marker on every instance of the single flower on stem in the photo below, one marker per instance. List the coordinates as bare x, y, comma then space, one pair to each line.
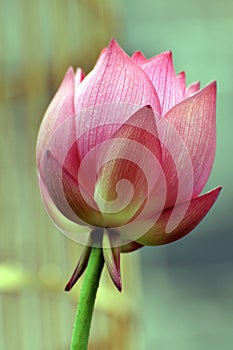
122, 156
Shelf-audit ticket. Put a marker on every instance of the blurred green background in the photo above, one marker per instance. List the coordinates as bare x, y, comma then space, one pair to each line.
187, 287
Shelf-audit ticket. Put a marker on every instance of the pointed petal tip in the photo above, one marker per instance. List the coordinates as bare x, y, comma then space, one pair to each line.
138, 53
216, 191
119, 287
198, 209
115, 48
115, 275
209, 88
113, 43
192, 89
79, 76
80, 268
68, 287
79, 72
71, 283
167, 54
212, 85
112, 257
70, 71
139, 57
181, 74
163, 55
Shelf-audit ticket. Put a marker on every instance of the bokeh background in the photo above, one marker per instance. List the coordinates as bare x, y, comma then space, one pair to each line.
178, 296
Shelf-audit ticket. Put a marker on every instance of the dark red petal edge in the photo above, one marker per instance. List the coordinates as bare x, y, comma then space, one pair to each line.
111, 252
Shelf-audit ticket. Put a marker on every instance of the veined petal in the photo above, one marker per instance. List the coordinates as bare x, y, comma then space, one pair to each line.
79, 76
131, 169
67, 193
197, 210
111, 252
194, 119
138, 57
192, 89
75, 231
61, 107
116, 81
161, 72
129, 84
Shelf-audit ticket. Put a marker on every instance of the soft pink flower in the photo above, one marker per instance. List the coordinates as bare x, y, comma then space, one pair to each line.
124, 153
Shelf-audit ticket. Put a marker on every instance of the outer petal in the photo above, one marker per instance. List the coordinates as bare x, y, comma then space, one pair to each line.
138, 57
194, 119
71, 229
131, 170
161, 72
111, 251
66, 192
198, 208
79, 76
192, 89
115, 80
61, 107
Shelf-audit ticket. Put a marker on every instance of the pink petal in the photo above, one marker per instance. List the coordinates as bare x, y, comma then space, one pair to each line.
197, 210
116, 78
138, 57
161, 72
192, 89
194, 119
116, 82
131, 169
181, 79
61, 107
111, 252
71, 229
66, 192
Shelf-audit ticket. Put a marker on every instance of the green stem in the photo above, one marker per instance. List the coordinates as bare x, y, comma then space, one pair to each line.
87, 300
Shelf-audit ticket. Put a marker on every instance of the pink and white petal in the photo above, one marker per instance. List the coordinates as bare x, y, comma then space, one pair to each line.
192, 89
138, 57
195, 121
75, 231
72, 200
161, 72
132, 168
115, 81
61, 108
142, 128
116, 78
197, 210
